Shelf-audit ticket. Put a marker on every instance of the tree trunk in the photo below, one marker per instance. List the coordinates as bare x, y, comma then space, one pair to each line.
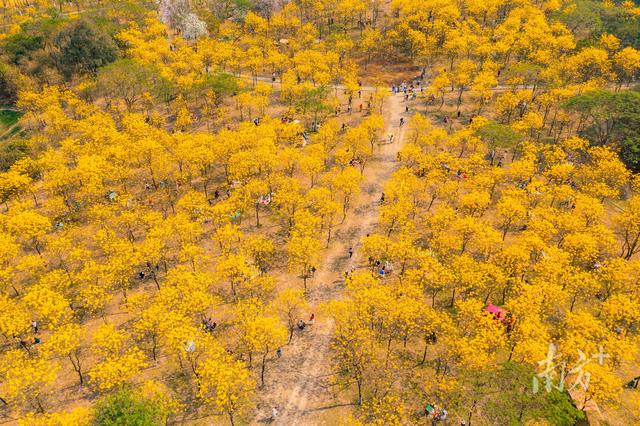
264, 362
77, 367
424, 353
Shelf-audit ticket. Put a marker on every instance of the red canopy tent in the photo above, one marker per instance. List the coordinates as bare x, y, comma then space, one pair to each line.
496, 311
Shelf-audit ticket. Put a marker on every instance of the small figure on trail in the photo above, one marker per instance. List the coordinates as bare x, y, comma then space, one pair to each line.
360, 107
406, 108
442, 415
274, 413
344, 126
390, 137
301, 324
350, 252
312, 317
34, 326
401, 121
216, 194
428, 410
279, 352
209, 325
382, 198
445, 120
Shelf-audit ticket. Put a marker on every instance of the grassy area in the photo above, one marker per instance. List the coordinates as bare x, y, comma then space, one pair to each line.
8, 118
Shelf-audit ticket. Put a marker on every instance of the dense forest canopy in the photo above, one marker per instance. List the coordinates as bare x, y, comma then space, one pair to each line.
319, 212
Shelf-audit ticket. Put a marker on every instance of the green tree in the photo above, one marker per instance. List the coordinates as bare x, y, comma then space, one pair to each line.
128, 408
611, 118
511, 400
497, 135
21, 44
221, 84
84, 48
128, 80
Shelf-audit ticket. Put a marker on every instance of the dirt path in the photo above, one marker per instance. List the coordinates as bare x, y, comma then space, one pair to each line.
13, 126
299, 385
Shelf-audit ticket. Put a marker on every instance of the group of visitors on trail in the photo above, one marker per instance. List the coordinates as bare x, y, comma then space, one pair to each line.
302, 324
209, 325
436, 414
36, 340
408, 90
349, 110
381, 268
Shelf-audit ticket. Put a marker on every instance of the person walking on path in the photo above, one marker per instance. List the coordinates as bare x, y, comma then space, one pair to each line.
350, 252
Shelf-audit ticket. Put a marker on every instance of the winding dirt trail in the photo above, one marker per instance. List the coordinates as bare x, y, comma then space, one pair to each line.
299, 384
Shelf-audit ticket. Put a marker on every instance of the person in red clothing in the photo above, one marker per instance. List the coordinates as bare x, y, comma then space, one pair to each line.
311, 318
